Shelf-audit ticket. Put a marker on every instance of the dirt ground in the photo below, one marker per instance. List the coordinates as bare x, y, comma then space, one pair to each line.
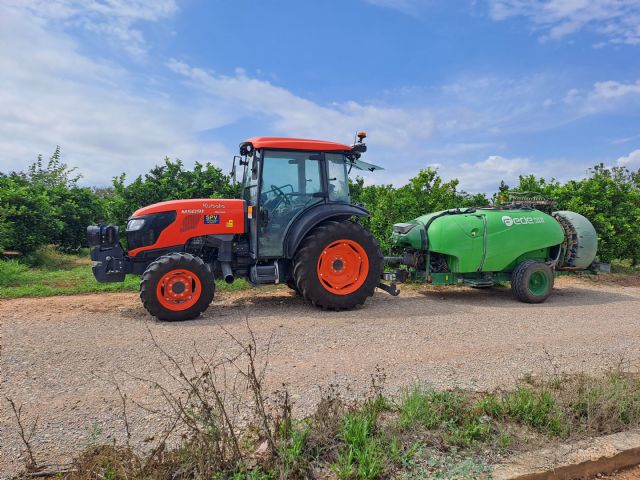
59, 353
630, 474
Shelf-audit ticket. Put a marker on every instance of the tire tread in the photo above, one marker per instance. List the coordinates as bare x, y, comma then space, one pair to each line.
305, 261
155, 269
519, 282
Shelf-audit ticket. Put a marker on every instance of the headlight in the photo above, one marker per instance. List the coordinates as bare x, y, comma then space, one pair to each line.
403, 228
135, 224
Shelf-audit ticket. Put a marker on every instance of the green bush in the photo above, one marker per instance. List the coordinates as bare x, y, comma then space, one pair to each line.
170, 181
46, 205
12, 271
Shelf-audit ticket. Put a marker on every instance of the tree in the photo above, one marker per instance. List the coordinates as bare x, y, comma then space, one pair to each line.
609, 198
170, 181
45, 205
75, 207
30, 217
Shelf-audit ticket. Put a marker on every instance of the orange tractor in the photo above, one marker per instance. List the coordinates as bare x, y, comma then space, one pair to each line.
294, 225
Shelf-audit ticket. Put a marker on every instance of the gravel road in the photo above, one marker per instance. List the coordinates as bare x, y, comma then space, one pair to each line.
57, 352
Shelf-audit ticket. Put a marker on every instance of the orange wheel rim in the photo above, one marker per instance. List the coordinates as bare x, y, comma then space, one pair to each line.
343, 267
179, 290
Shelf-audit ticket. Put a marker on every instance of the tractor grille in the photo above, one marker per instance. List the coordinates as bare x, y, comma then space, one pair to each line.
153, 226
190, 222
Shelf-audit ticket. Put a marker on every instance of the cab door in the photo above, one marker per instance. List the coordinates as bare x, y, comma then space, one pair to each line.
292, 181
250, 186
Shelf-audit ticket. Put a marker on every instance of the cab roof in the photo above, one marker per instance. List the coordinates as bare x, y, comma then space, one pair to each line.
282, 143
298, 144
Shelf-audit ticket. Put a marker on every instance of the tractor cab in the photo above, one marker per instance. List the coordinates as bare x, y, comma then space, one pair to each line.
284, 179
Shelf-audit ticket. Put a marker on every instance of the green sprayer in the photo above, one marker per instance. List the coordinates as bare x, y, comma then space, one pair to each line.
479, 247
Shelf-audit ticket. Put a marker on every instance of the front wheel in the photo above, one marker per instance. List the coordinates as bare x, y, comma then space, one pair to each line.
338, 265
532, 281
177, 286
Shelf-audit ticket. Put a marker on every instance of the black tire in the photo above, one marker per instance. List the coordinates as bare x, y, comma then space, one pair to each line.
524, 276
291, 283
161, 267
305, 271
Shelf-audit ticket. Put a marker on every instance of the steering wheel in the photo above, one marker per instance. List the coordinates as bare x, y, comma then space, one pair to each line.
281, 193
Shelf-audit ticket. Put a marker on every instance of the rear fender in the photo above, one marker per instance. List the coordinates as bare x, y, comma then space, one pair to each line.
313, 217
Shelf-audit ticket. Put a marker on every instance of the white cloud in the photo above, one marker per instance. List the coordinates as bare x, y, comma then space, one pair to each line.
604, 96
55, 95
116, 19
109, 119
611, 89
485, 175
631, 161
496, 106
297, 116
618, 21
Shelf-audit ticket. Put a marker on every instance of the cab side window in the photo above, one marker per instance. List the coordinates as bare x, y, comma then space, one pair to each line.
338, 179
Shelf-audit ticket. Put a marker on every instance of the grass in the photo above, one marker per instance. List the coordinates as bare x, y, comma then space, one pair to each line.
423, 433
49, 272
361, 454
624, 267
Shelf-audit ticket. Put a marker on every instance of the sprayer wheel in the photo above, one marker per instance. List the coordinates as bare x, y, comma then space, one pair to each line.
532, 281
177, 286
338, 265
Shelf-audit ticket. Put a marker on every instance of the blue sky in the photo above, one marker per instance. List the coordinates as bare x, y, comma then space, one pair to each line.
482, 89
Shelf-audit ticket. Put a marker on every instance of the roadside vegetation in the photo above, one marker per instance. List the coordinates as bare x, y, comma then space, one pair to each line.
47, 205
48, 271
44, 212
420, 432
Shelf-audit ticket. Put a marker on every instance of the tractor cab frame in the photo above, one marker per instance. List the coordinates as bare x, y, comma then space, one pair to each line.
291, 185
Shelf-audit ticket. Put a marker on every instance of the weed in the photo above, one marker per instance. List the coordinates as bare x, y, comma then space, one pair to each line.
504, 440
291, 452
94, 434
449, 412
529, 406
602, 405
26, 434
50, 258
361, 455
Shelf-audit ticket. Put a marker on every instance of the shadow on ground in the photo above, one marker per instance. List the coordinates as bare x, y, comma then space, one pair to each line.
432, 302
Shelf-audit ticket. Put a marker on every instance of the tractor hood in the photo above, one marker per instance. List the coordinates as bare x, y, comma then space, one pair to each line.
191, 206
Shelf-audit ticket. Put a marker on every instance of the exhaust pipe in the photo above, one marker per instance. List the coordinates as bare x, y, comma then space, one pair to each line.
227, 273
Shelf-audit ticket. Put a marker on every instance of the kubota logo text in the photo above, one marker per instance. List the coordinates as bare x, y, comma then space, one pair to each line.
510, 221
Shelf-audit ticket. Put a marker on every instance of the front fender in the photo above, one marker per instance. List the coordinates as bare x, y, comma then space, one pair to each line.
314, 216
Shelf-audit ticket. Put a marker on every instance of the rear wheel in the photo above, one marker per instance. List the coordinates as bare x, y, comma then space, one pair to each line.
338, 265
532, 281
291, 283
177, 286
